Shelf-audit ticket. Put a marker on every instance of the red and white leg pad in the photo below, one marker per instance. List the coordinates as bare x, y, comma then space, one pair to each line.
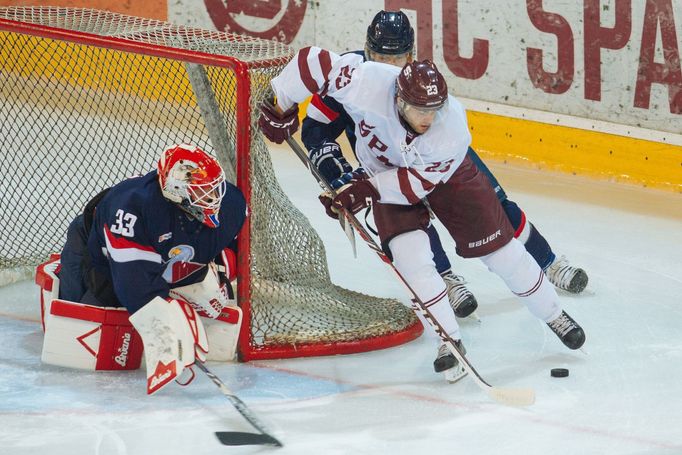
90, 338
47, 279
73, 321
223, 334
213, 300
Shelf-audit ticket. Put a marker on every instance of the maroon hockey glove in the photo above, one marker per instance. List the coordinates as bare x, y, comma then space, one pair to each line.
349, 177
278, 127
355, 196
326, 200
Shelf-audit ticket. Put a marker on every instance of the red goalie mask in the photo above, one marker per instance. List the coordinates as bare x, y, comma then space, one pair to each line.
194, 180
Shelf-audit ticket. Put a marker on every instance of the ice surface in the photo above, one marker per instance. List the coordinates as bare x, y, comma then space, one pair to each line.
623, 397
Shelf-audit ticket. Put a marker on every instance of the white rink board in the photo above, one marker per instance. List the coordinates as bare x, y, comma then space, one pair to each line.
644, 41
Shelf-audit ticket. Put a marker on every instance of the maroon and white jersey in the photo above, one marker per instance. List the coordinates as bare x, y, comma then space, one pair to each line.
404, 167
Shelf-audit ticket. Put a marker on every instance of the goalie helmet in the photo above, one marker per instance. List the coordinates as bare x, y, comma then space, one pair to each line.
420, 84
194, 180
390, 33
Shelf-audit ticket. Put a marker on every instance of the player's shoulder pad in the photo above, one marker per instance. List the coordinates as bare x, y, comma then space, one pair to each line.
374, 83
454, 110
233, 206
145, 194
357, 52
131, 195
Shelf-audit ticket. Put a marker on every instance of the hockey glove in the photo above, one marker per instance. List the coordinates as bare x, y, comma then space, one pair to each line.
228, 257
349, 177
209, 296
330, 161
355, 196
326, 200
275, 126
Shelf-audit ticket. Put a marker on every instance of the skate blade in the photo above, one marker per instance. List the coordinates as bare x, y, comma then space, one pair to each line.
474, 317
454, 374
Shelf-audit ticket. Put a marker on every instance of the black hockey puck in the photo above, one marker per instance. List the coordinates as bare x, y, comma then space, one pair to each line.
559, 372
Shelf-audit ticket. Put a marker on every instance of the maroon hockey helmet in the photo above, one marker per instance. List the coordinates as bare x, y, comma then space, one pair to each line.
420, 84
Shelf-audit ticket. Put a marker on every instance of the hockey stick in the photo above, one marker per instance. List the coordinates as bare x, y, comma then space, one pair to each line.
347, 228
239, 438
504, 395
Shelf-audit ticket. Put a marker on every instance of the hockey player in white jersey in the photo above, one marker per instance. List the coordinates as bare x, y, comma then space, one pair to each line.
412, 141
390, 39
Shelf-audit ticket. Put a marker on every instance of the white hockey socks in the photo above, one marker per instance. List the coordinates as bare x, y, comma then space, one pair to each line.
525, 278
413, 258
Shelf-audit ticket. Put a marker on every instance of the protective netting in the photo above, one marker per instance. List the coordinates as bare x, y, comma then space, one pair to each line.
80, 113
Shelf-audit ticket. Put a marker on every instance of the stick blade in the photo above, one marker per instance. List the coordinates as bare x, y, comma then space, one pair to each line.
512, 396
239, 438
350, 233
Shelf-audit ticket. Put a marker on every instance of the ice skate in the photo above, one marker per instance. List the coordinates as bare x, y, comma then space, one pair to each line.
564, 276
462, 301
568, 331
447, 363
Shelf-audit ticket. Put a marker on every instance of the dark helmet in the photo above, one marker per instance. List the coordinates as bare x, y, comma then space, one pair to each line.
421, 84
390, 33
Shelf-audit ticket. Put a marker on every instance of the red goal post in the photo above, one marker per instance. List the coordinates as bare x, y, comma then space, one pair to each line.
89, 97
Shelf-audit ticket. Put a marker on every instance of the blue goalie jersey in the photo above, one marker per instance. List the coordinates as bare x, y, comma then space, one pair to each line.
148, 245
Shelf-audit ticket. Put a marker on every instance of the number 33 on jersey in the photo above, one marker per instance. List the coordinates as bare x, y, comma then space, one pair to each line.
124, 224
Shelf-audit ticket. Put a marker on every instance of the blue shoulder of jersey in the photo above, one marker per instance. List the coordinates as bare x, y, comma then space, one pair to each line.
232, 210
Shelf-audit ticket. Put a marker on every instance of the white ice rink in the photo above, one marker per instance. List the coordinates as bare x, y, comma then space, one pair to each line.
623, 397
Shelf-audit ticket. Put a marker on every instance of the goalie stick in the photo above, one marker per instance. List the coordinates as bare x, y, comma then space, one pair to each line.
504, 395
239, 438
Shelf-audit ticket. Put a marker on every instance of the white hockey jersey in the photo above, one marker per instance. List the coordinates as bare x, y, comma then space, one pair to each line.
402, 171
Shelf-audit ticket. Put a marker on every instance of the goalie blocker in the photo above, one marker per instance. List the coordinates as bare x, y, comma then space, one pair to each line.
97, 338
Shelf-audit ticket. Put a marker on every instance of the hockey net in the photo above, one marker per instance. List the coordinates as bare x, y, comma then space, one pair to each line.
88, 98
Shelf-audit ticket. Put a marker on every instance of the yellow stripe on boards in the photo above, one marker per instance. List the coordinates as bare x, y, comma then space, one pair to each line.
577, 151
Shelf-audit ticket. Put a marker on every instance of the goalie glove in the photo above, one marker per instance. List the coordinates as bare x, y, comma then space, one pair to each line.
214, 292
278, 126
229, 259
173, 337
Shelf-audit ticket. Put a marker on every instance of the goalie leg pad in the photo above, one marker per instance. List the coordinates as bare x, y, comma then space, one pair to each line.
90, 338
48, 280
223, 334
